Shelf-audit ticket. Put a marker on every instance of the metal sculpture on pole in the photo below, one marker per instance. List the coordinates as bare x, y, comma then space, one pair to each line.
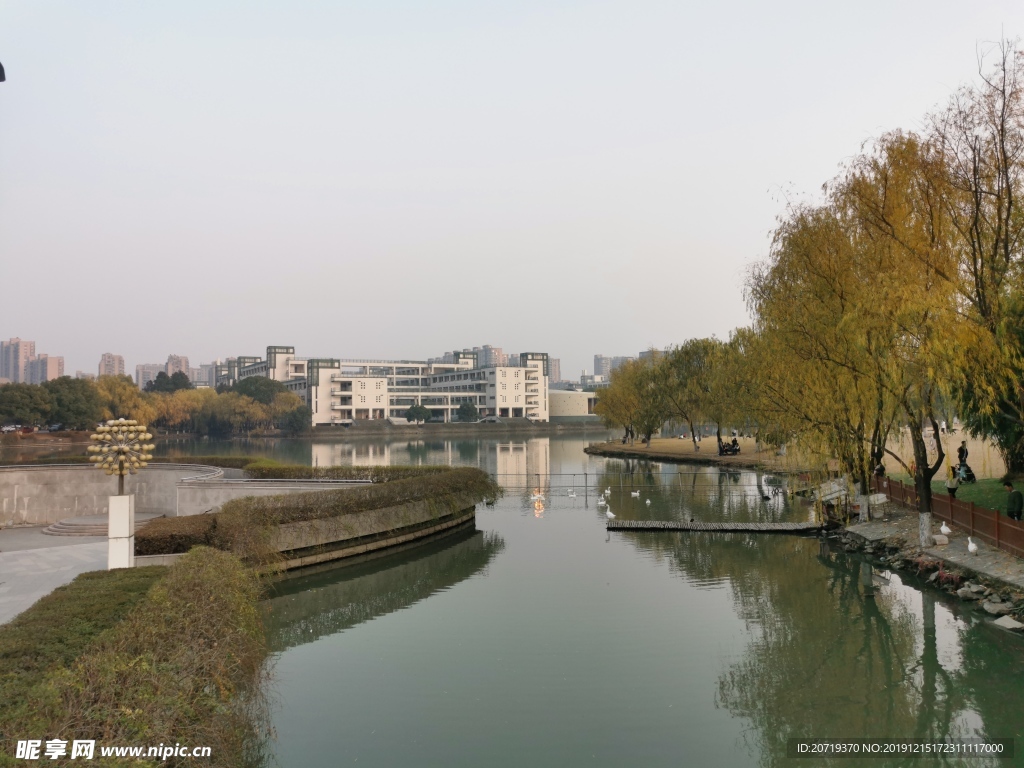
121, 451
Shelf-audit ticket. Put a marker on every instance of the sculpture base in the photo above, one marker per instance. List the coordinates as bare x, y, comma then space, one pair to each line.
121, 532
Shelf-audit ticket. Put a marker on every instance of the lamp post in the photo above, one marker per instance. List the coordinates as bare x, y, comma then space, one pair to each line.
121, 451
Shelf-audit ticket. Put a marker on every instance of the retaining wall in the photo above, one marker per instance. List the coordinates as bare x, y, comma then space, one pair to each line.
41, 495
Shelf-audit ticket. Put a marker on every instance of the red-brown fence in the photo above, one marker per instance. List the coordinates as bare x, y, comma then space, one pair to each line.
983, 523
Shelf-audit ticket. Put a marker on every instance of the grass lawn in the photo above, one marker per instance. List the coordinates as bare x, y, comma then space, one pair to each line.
988, 493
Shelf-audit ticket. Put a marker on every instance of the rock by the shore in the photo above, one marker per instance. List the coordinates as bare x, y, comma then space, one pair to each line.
1007, 623
966, 593
997, 609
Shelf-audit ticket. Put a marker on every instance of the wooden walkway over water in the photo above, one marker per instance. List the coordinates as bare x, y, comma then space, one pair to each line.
671, 525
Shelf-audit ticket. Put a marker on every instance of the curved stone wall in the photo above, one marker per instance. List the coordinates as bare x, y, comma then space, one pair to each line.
41, 495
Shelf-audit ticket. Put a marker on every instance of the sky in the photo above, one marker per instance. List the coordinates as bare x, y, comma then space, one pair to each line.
396, 179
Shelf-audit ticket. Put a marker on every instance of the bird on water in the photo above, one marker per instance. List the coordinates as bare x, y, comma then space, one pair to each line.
610, 515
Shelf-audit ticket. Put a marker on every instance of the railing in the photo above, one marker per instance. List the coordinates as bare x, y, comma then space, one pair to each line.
985, 524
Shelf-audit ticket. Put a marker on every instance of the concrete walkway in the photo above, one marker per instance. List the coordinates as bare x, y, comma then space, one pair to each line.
898, 523
33, 565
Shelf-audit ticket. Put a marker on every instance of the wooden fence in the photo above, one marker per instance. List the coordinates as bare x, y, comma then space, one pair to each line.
985, 524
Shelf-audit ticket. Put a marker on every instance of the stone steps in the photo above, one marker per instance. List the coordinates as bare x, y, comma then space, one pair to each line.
88, 526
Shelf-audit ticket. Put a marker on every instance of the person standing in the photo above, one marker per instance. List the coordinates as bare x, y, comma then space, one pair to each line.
952, 483
1014, 502
961, 457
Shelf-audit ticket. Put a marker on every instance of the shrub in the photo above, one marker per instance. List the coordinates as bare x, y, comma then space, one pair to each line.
186, 662
241, 522
59, 627
271, 470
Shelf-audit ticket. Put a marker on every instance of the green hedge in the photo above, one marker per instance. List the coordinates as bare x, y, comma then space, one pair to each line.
271, 470
59, 627
185, 662
241, 522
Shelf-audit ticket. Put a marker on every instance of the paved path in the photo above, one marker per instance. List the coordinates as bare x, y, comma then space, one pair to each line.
991, 562
31, 566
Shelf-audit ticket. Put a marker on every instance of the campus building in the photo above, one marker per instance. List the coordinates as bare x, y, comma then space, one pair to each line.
342, 391
146, 372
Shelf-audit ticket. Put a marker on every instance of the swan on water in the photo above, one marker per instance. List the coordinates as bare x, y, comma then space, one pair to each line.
944, 529
572, 494
648, 502
610, 515
635, 494
607, 491
971, 546
600, 501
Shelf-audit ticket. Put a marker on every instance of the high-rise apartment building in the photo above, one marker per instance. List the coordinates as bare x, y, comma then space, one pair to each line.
146, 372
15, 355
111, 364
603, 366
44, 368
176, 364
554, 369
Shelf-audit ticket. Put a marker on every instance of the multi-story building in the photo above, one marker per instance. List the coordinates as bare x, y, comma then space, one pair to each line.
84, 375
45, 368
111, 365
15, 355
146, 372
555, 369
340, 391
603, 366
176, 364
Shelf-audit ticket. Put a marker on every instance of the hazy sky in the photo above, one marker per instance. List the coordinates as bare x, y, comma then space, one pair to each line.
396, 179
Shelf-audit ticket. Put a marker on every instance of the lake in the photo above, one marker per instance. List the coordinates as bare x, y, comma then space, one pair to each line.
539, 638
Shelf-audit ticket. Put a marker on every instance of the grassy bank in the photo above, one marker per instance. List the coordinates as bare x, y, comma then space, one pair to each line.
242, 524
179, 659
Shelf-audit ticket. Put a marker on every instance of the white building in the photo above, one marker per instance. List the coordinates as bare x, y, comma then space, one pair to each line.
572, 406
342, 391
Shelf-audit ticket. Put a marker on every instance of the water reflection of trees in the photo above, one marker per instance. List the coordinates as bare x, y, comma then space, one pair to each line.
833, 656
707, 494
305, 608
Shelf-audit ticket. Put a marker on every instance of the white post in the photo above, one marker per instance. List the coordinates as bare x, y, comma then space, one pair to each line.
121, 532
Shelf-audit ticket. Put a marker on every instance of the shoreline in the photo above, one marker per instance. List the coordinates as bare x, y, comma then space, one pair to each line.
675, 451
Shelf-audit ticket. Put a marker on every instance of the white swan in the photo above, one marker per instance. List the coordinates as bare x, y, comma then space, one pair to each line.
610, 515
944, 529
600, 501
572, 494
607, 491
635, 494
648, 502
971, 546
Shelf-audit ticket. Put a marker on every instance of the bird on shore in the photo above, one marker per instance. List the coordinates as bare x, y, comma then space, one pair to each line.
635, 494
610, 515
944, 529
971, 546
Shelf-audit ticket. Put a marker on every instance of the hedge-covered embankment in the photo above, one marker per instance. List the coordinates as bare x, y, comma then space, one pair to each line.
185, 664
244, 525
265, 469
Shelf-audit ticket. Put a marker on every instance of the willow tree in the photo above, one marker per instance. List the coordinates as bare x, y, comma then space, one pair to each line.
813, 361
687, 382
634, 399
977, 146
895, 205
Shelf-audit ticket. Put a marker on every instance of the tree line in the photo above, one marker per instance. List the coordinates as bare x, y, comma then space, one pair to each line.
252, 405
892, 302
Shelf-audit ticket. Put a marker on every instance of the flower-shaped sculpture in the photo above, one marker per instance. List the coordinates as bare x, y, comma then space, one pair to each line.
122, 448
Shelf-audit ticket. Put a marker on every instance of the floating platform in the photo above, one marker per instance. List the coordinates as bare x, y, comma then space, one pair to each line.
671, 525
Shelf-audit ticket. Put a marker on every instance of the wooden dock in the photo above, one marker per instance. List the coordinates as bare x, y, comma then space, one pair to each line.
671, 525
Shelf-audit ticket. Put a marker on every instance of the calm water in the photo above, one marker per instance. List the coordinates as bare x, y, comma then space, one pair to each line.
540, 639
